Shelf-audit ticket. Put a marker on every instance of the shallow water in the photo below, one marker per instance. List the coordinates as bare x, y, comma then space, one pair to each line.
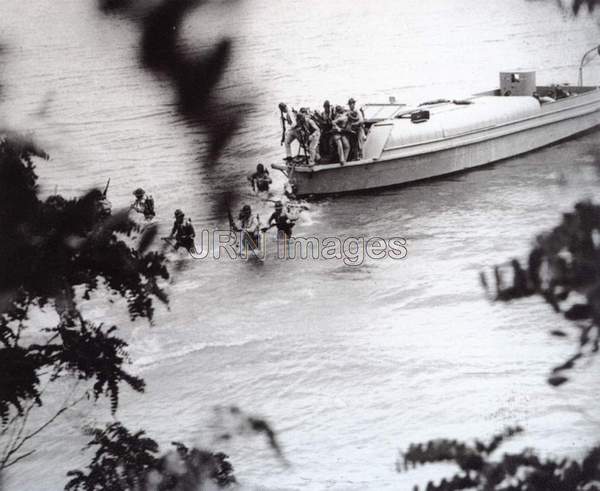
349, 363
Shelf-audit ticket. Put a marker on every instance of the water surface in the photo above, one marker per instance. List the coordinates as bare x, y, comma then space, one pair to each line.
349, 364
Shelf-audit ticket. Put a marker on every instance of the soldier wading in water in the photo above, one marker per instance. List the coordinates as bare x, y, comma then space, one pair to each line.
183, 232
282, 221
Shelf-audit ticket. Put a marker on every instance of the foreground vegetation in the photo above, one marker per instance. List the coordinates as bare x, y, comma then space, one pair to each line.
563, 268
54, 254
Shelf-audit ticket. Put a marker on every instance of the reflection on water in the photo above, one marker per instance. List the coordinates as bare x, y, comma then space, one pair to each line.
349, 363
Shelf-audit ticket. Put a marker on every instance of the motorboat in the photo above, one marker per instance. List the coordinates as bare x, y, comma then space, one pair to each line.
407, 143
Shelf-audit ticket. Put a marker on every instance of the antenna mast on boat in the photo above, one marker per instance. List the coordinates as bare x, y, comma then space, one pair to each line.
581, 65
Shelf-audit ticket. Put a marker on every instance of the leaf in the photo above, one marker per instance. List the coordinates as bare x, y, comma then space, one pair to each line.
579, 311
556, 380
570, 363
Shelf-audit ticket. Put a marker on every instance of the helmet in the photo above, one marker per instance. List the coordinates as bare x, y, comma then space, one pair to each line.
56, 201
282, 107
339, 109
326, 104
278, 204
178, 213
139, 192
245, 212
351, 100
260, 168
353, 115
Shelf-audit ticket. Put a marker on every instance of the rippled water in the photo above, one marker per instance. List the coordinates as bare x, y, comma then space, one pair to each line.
348, 363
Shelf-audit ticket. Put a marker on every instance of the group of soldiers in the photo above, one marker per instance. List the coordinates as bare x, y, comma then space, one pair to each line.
251, 228
337, 134
182, 233
249, 225
260, 180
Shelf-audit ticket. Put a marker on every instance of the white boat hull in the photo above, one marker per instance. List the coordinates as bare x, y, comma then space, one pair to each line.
424, 160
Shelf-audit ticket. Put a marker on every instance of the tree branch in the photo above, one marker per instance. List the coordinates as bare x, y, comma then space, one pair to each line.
17, 442
17, 459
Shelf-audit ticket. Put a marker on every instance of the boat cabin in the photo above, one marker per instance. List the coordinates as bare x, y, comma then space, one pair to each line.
523, 83
517, 83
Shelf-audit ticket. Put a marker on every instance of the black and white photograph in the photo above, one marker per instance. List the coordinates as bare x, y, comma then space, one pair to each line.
274, 245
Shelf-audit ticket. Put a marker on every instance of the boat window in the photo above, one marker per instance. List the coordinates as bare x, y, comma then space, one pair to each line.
380, 111
515, 77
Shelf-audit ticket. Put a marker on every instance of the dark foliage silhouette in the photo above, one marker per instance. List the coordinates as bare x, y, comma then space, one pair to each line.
53, 255
237, 422
590, 4
564, 269
193, 77
575, 6
56, 253
125, 461
523, 471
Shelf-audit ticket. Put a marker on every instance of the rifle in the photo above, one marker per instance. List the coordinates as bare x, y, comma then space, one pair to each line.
232, 224
284, 116
291, 220
168, 240
282, 129
106, 188
303, 140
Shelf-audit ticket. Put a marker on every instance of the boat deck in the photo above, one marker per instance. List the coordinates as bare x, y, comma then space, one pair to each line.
456, 135
545, 89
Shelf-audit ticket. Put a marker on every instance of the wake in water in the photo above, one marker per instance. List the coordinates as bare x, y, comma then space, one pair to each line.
151, 351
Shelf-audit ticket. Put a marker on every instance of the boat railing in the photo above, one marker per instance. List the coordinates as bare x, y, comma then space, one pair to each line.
583, 62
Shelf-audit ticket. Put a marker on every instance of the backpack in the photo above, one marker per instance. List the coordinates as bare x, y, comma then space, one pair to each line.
149, 207
187, 229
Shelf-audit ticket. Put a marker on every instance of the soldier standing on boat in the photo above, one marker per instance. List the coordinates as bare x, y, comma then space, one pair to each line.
306, 132
342, 144
324, 118
260, 179
183, 232
356, 124
143, 204
327, 114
